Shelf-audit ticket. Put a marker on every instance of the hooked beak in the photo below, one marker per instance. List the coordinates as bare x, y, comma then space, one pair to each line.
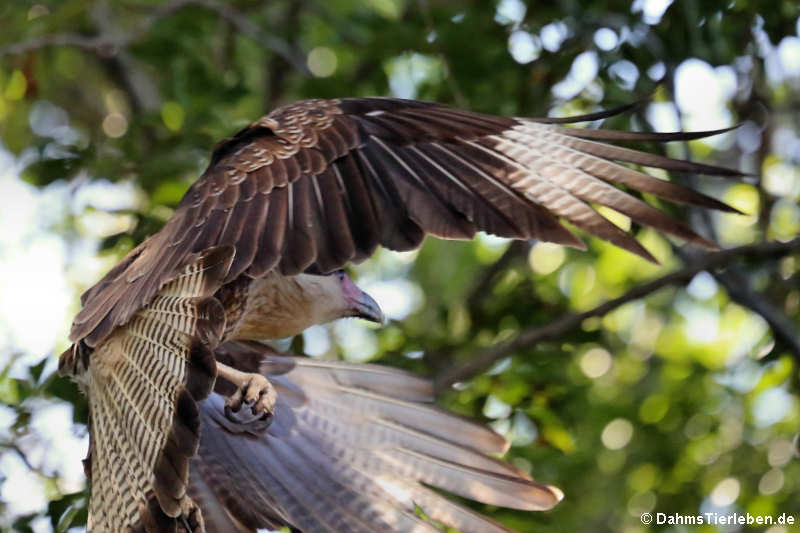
360, 304
368, 309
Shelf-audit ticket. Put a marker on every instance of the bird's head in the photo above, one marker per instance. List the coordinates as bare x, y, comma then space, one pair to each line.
356, 302
336, 296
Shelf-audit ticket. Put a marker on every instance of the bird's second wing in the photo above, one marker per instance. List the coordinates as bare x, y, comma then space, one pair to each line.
144, 381
352, 448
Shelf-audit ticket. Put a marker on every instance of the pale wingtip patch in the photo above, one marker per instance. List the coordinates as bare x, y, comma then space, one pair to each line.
539, 497
502, 443
547, 496
556, 492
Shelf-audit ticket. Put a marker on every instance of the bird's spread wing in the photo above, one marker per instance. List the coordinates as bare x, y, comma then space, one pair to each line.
144, 381
319, 183
352, 448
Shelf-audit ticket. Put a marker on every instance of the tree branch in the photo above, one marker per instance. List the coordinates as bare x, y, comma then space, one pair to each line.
109, 45
13, 447
486, 279
735, 283
458, 95
242, 23
99, 45
740, 291
277, 71
533, 336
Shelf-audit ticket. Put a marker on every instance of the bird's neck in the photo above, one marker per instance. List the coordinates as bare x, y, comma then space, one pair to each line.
269, 307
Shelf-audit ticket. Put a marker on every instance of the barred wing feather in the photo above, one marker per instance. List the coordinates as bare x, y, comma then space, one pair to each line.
144, 381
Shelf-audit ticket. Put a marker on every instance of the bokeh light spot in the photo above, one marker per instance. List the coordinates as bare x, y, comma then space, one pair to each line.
617, 434
524, 47
172, 115
595, 362
115, 125
545, 258
771, 482
654, 408
643, 478
780, 452
17, 86
37, 10
496, 408
725, 492
322, 61
605, 39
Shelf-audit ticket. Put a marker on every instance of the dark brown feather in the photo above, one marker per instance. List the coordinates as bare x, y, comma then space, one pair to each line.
247, 245
280, 174
398, 230
641, 136
237, 217
337, 221
300, 250
426, 202
273, 235
588, 117
363, 216
477, 193
262, 177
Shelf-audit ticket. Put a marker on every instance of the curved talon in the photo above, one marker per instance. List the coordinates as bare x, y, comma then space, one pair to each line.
191, 518
255, 423
259, 395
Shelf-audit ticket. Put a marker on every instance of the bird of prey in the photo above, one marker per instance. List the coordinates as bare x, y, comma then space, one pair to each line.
195, 427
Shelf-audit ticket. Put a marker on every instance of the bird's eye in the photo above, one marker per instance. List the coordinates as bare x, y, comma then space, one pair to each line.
340, 275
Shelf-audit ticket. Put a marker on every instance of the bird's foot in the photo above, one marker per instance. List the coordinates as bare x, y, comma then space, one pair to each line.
258, 394
191, 518
252, 390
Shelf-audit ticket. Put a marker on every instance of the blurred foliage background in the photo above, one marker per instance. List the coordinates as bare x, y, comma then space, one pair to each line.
683, 401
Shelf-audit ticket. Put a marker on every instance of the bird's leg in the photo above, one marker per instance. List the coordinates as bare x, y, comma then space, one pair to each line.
191, 518
253, 390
